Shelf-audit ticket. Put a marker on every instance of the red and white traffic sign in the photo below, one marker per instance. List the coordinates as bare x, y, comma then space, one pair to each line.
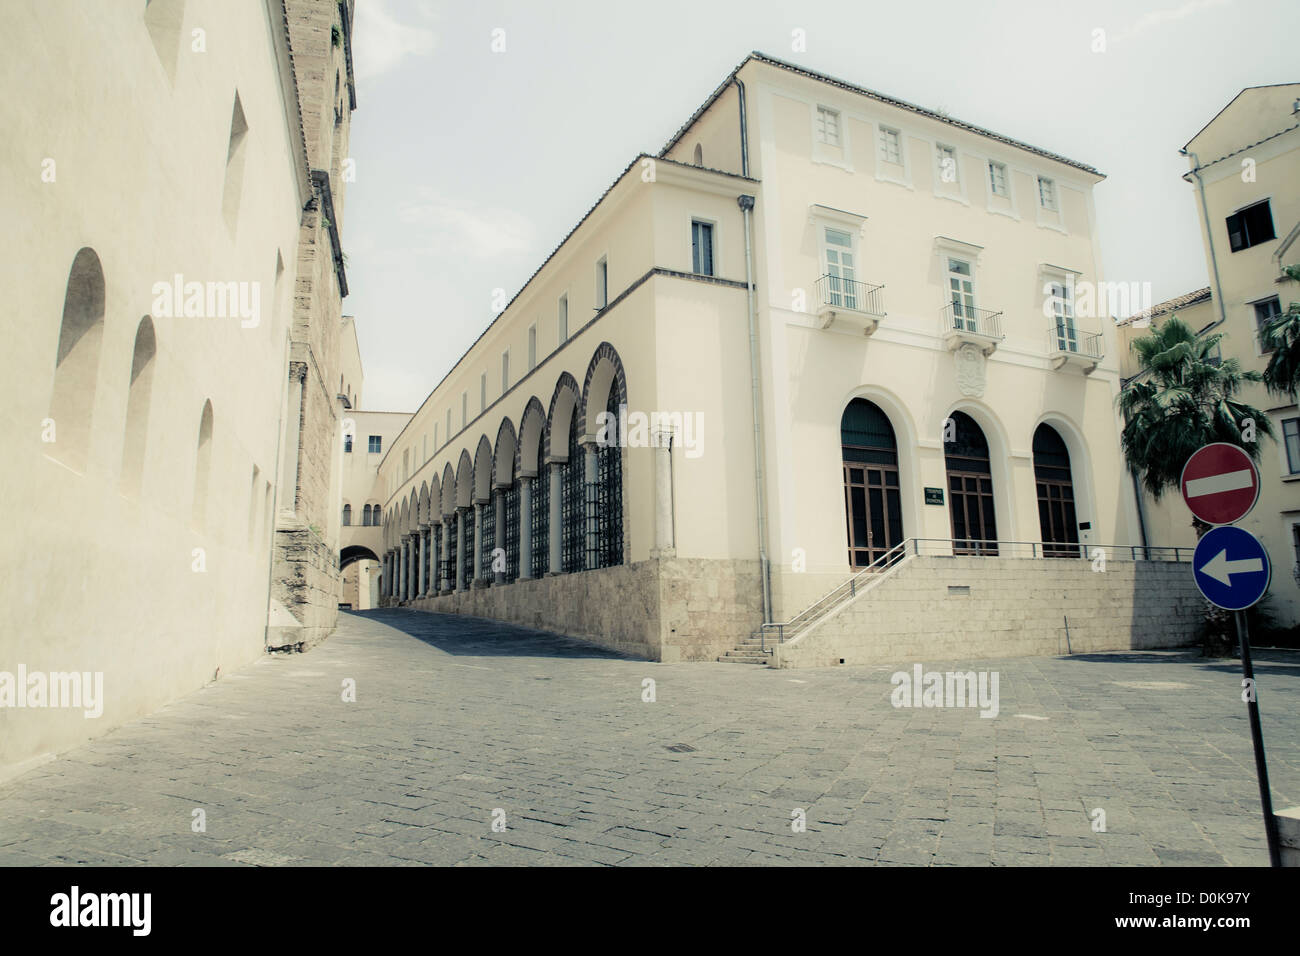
1220, 483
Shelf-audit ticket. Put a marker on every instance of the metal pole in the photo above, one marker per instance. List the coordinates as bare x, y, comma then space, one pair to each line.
1257, 738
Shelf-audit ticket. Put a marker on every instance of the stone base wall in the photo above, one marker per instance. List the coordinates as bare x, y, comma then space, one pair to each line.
664, 609
935, 608
307, 582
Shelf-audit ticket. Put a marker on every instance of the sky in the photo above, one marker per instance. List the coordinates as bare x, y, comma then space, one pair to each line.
472, 164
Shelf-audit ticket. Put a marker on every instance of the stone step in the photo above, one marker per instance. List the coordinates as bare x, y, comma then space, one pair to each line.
743, 656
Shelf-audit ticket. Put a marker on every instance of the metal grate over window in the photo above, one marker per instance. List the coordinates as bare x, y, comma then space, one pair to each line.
488, 512
435, 556
467, 548
573, 507
541, 522
609, 492
449, 566
512, 532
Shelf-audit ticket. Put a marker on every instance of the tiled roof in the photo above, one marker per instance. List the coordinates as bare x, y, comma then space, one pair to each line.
1169, 305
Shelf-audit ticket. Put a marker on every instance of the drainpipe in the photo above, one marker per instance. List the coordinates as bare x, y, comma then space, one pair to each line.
1209, 237
744, 131
747, 205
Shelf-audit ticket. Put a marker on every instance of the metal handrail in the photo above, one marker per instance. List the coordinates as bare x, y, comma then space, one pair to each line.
1075, 342
967, 318
982, 548
840, 293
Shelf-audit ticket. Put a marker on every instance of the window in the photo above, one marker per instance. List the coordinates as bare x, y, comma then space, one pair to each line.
449, 424
891, 146
505, 372
961, 289
1250, 226
998, 179
1266, 312
602, 283
562, 320
482, 392
828, 126
376, 444
464, 409
532, 347
1047, 194
406, 463
365, 517
699, 155
435, 436
1295, 541
1291, 438
1062, 298
347, 515
947, 159
347, 444
841, 289
702, 248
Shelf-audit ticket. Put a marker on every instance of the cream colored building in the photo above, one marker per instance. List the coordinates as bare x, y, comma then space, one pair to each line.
1245, 179
156, 184
871, 331
367, 435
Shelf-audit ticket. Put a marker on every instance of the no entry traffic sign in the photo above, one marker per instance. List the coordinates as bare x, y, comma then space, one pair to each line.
1220, 483
1231, 568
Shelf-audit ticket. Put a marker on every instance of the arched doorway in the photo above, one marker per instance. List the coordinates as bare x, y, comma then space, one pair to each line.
970, 487
361, 571
1056, 515
872, 507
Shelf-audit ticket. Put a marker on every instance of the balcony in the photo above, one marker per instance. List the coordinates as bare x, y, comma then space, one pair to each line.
1069, 346
967, 325
859, 305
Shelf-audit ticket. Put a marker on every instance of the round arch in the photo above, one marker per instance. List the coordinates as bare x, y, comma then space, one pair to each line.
503, 458
999, 444
908, 440
464, 481
1085, 500
448, 489
564, 405
605, 380
354, 553
530, 444
422, 518
483, 470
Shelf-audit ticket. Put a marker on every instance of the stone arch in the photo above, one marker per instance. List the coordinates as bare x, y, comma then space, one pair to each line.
448, 506
412, 512
483, 469
1076, 443
605, 380
354, 553
202, 467
464, 481
908, 440
403, 520
505, 455
564, 405
425, 501
139, 392
999, 464
529, 446
76, 363
434, 513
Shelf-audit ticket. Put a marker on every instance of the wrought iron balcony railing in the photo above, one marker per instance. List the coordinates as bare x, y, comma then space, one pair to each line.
1066, 339
958, 317
835, 292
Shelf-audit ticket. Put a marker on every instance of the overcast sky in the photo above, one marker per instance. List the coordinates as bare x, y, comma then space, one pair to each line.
471, 165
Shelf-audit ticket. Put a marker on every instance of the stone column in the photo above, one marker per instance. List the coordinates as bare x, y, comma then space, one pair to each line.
444, 565
413, 569
387, 579
401, 571
460, 549
525, 527
556, 532
419, 565
499, 542
665, 546
476, 569
591, 552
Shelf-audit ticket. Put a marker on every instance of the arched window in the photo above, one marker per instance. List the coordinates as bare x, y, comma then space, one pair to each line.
573, 511
135, 436
872, 507
609, 490
512, 531
76, 364
375, 515
365, 517
1056, 516
202, 468
347, 515
970, 487
699, 155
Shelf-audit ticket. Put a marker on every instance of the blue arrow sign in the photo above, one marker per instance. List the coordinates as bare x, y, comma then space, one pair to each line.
1231, 568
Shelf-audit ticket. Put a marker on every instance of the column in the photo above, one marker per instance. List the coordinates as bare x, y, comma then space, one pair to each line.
664, 544
423, 588
413, 566
499, 544
401, 571
525, 527
591, 556
459, 570
476, 569
444, 566
557, 489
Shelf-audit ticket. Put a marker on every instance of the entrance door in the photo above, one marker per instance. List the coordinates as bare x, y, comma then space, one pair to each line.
1056, 515
970, 489
872, 507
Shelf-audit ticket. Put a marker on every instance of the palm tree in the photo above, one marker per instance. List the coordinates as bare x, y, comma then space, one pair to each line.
1183, 398
1281, 336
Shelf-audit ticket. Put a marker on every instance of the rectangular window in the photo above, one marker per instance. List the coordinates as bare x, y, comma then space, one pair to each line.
376, 444
562, 320
702, 248
998, 179
505, 372
841, 290
1063, 312
602, 283
1266, 312
1047, 194
406, 463
961, 289
891, 146
482, 392
947, 159
532, 347
828, 126
1291, 436
1250, 226
347, 444
449, 424
464, 408
435, 436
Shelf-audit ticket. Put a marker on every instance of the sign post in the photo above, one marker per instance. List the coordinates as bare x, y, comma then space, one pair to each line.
1231, 568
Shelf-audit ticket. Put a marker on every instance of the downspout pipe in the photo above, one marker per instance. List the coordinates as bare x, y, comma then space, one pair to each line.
1209, 237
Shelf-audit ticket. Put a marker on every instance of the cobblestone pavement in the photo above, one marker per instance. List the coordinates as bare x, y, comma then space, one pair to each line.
456, 718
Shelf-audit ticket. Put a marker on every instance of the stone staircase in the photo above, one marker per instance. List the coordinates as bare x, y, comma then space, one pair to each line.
748, 651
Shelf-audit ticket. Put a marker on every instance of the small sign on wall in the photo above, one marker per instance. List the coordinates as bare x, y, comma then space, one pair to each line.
934, 496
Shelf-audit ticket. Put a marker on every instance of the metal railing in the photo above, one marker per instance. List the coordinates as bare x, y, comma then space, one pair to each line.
840, 293
967, 318
882, 567
1087, 344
